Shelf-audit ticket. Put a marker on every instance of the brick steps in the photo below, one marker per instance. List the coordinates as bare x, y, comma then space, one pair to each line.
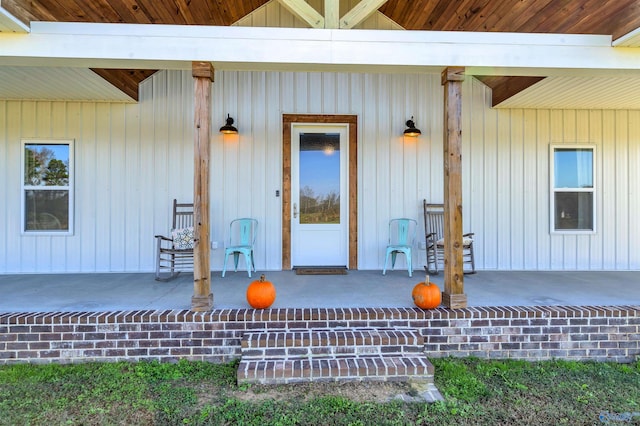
349, 354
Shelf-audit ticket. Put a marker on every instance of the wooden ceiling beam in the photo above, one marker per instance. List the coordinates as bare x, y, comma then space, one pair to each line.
360, 12
332, 14
331, 18
304, 11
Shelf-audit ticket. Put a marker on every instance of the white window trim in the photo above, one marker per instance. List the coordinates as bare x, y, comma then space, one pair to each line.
24, 188
553, 190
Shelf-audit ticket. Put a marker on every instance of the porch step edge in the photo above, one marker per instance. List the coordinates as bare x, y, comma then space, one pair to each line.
311, 341
413, 369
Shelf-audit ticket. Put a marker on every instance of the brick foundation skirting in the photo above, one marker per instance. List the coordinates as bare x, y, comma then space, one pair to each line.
603, 333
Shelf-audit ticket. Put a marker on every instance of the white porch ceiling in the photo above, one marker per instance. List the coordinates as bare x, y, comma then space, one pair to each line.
579, 93
80, 84
52, 83
631, 39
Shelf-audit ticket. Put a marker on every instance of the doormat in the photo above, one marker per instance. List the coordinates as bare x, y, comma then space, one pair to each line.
320, 270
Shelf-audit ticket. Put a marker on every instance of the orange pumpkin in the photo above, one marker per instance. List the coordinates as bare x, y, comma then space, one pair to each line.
426, 295
261, 294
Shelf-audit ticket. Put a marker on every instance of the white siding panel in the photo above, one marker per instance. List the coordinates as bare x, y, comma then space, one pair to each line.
216, 209
86, 192
246, 159
622, 190
569, 242
115, 206
530, 188
543, 237
634, 189
14, 246
488, 256
473, 175
609, 249
261, 181
58, 246
272, 158
135, 249
386, 203
103, 166
503, 209
583, 242
557, 241
596, 136
71, 128
29, 255
372, 231
516, 170
4, 177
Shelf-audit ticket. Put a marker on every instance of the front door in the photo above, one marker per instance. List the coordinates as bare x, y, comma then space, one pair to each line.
319, 195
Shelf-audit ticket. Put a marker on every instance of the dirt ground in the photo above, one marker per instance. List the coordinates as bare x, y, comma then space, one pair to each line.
355, 391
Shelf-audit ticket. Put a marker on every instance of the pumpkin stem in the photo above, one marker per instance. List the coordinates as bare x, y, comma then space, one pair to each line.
262, 278
426, 280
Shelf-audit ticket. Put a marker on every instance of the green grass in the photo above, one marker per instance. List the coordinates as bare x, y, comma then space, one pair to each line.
192, 393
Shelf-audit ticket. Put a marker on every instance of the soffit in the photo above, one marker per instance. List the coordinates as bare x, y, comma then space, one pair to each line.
578, 93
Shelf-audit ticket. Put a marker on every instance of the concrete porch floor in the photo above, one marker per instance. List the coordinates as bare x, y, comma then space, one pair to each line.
139, 291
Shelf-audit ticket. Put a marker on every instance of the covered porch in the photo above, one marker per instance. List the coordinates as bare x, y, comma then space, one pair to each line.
354, 63
357, 289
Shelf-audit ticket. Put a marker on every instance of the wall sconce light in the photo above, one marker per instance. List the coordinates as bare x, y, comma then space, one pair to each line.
411, 129
228, 128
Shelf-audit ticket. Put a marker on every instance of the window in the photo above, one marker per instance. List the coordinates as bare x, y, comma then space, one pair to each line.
47, 187
572, 189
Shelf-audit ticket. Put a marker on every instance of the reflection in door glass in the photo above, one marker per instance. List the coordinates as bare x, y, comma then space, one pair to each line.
319, 178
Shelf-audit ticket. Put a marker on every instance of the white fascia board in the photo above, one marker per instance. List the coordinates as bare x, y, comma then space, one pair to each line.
10, 23
173, 46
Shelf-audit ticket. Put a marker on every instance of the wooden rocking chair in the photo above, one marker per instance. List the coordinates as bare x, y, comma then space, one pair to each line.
434, 236
175, 254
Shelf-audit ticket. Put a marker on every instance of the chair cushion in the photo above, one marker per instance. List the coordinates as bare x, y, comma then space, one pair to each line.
465, 242
183, 238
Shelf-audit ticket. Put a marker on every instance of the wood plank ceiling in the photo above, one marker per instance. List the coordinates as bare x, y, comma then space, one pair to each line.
613, 17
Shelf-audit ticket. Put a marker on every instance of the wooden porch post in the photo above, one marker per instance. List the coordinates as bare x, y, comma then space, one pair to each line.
453, 295
202, 299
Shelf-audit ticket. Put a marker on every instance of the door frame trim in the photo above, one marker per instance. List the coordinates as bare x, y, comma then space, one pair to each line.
352, 121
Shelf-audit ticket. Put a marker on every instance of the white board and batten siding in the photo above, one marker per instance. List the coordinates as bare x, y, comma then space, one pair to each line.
506, 192
128, 159
131, 160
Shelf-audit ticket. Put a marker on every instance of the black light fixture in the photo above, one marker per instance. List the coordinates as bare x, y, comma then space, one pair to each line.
228, 128
411, 129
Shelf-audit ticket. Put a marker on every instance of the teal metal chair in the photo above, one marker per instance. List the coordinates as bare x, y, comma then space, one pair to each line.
402, 234
242, 237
